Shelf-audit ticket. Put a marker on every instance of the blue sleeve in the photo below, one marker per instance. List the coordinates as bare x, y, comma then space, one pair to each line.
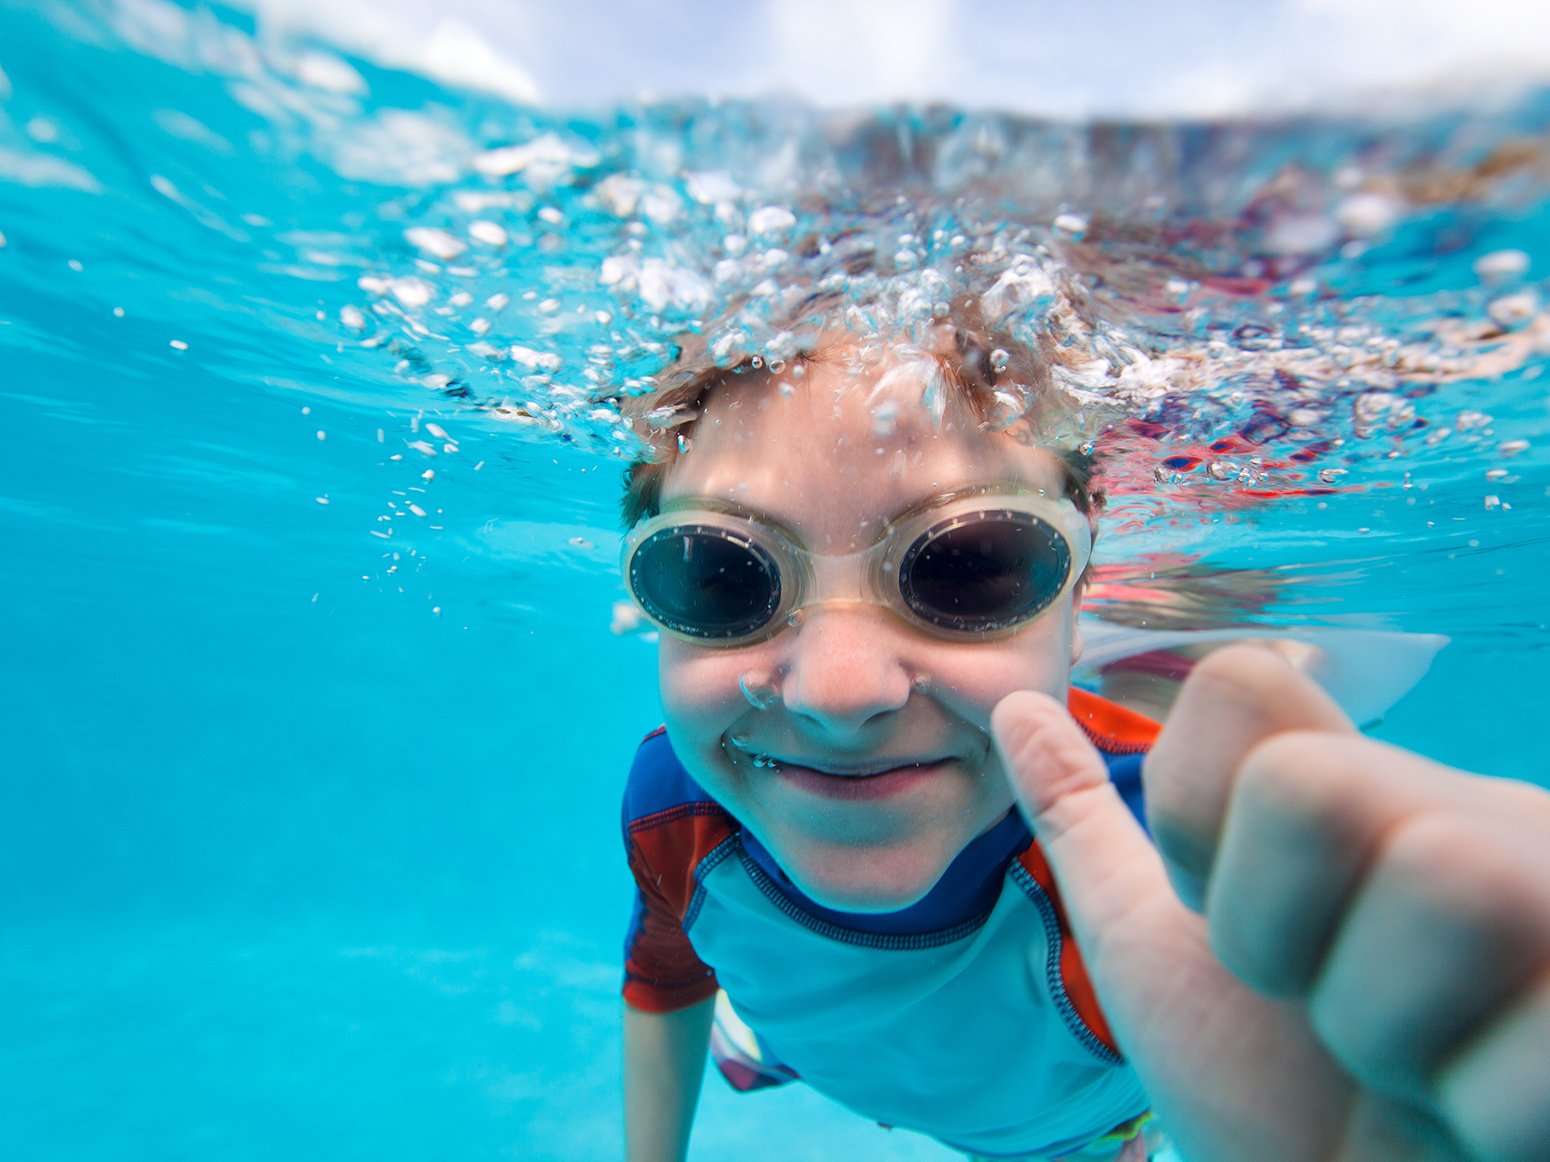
1125, 773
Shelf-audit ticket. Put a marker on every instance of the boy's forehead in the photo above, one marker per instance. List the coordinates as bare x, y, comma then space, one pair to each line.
858, 432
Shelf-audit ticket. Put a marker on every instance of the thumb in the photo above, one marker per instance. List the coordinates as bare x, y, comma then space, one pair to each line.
1111, 878
1229, 1072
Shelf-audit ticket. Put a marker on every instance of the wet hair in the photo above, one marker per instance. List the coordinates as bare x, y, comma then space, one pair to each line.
1005, 384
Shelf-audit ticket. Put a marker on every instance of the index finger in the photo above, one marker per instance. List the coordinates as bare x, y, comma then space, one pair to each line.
1234, 700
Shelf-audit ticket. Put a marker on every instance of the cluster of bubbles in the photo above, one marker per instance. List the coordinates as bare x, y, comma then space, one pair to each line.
1245, 308
1202, 288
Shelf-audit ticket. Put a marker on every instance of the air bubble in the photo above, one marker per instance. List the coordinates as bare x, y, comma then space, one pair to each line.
1380, 408
1501, 265
758, 689
771, 220
490, 233
1469, 420
1366, 215
885, 418
410, 292
1513, 311
1072, 225
435, 242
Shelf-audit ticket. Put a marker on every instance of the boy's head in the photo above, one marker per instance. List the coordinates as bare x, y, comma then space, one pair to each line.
851, 730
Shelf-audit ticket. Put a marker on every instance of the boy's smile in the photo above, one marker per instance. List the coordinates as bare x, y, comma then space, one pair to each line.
854, 746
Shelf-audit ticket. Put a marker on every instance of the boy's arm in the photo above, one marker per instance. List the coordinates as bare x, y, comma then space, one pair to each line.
664, 1062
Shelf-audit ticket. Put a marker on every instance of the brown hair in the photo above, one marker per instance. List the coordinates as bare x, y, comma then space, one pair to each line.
1005, 384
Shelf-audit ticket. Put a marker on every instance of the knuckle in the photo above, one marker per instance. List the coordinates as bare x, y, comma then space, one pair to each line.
1298, 777
1363, 1046
1457, 871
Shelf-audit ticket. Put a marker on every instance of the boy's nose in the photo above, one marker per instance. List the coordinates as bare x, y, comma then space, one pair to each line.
844, 667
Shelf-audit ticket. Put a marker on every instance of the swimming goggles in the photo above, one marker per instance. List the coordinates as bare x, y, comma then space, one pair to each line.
970, 564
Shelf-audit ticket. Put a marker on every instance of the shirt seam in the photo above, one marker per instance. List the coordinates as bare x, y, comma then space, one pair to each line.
1057, 988
883, 941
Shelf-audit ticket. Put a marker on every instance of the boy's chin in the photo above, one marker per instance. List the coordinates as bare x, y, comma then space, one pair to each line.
862, 881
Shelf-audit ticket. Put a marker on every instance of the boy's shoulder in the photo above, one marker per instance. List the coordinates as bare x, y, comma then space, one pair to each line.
1122, 736
660, 792
1114, 729
671, 824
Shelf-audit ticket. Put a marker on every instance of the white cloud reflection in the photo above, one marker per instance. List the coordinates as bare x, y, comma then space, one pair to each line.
1055, 57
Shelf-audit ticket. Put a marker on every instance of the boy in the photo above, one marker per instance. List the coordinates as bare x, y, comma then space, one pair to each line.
867, 577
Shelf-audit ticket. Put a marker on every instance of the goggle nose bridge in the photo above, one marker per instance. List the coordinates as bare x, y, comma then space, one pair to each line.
842, 579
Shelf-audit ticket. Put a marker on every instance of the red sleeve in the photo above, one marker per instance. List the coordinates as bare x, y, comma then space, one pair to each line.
661, 970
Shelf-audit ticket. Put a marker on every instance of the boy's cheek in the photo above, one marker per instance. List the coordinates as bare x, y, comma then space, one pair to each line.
697, 683
969, 693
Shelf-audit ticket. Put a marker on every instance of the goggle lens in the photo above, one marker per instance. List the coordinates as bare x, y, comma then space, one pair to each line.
984, 573
706, 582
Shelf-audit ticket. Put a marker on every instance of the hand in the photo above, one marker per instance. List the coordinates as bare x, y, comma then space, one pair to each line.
1338, 950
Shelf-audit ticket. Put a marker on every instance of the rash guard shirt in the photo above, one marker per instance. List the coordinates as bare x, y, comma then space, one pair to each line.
967, 1016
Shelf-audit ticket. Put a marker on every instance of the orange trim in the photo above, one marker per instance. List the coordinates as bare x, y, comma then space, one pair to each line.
1111, 726
1073, 971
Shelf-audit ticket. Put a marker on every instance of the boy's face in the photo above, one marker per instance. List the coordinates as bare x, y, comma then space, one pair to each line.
880, 734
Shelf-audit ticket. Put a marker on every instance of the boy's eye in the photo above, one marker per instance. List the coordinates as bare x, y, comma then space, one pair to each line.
721, 586
984, 573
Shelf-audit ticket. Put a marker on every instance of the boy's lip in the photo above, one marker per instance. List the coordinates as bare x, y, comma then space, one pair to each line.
877, 780
837, 778
847, 771
839, 768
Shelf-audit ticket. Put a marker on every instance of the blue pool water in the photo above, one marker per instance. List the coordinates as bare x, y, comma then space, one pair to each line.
308, 833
